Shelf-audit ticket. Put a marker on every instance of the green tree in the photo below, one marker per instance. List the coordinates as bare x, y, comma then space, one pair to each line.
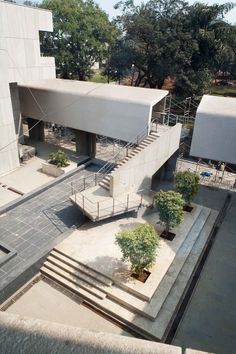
80, 37
170, 206
210, 49
139, 246
187, 184
168, 38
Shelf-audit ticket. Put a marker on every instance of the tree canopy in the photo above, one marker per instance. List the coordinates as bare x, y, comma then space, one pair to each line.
167, 38
138, 246
82, 32
187, 184
170, 207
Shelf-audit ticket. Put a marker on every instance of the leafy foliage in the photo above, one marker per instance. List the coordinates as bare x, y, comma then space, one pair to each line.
139, 246
187, 184
80, 37
171, 39
170, 206
59, 158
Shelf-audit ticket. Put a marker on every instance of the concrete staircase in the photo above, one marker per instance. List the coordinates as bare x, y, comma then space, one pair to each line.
105, 182
149, 318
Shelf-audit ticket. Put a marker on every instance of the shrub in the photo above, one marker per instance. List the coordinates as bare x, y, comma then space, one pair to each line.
187, 183
170, 206
139, 246
59, 158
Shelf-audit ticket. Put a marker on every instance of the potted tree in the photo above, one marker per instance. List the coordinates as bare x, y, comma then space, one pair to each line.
139, 247
170, 206
56, 164
187, 183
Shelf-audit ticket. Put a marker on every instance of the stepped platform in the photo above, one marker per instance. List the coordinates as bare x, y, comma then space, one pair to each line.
89, 263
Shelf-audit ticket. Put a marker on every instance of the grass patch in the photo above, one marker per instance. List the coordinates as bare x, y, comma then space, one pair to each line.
223, 91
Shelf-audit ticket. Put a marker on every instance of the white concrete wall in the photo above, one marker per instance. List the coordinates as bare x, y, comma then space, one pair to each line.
214, 129
137, 172
19, 61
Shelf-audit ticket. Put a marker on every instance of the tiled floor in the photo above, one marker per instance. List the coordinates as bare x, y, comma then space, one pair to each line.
35, 225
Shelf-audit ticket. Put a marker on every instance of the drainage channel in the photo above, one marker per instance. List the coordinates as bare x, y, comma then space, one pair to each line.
3, 185
220, 218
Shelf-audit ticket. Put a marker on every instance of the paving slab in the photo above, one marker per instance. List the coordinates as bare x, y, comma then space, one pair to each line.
41, 220
45, 302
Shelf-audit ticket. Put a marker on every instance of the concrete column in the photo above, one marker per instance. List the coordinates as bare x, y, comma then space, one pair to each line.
35, 132
16, 112
170, 166
85, 143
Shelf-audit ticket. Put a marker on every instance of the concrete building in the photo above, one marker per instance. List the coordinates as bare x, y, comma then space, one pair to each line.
20, 60
214, 129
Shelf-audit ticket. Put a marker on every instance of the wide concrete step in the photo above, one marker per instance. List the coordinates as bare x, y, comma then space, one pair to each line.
114, 292
158, 328
165, 286
178, 291
77, 273
80, 267
49, 268
105, 305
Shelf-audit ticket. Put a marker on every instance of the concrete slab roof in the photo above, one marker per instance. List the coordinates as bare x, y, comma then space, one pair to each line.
107, 91
117, 111
214, 129
217, 105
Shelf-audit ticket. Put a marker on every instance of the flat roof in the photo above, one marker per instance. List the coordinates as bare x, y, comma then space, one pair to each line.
217, 105
107, 91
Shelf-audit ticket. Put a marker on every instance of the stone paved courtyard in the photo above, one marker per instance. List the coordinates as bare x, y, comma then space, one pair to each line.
33, 227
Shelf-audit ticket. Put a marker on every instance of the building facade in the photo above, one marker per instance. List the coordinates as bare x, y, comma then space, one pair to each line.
20, 60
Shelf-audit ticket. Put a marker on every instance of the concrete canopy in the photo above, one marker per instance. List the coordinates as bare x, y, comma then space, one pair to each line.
214, 129
112, 110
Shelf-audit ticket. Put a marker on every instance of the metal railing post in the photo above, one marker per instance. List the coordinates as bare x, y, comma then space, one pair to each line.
83, 202
72, 188
141, 202
75, 197
98, 209
95, 178
84, 183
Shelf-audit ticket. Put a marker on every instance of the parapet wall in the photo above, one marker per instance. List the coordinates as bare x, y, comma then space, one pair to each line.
136, 174
25, 335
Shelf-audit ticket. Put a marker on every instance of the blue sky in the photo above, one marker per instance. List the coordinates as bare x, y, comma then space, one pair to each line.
107, 5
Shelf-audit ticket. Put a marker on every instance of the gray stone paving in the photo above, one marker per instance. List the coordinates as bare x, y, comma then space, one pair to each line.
33, 227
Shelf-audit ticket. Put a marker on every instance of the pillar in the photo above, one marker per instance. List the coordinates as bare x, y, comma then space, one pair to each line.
36, 132
85, 143
170, 167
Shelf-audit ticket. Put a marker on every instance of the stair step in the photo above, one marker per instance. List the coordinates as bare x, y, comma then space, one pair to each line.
115, 293
71, 278
104, 185
77, 273
143, 144
155, 134
80, 266
107, 178
150, 138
